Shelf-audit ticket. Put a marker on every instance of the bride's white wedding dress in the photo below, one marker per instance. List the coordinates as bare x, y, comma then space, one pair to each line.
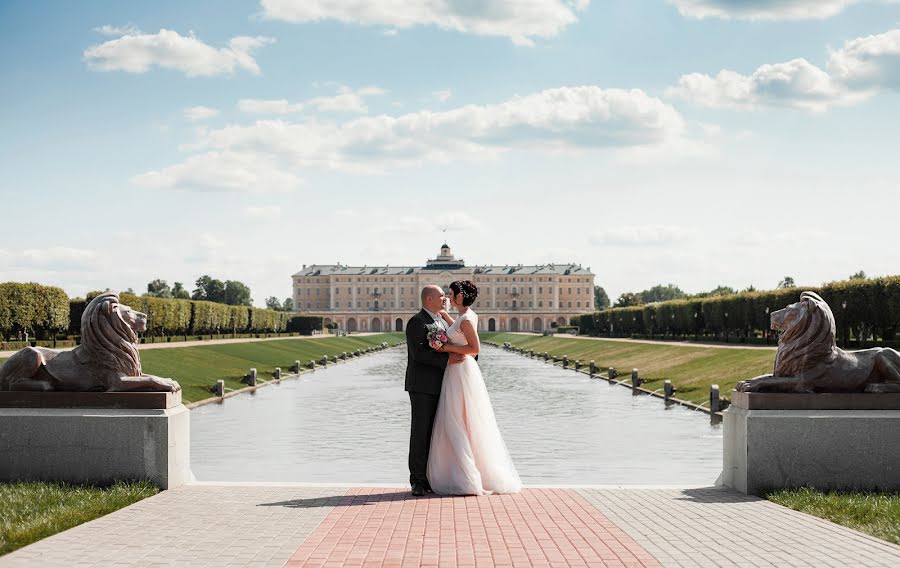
467, 455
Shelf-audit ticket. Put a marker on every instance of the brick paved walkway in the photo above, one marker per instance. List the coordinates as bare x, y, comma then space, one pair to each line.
300, 525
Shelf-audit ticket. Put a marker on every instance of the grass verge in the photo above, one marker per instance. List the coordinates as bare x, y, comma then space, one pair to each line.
35, 510
691, 369
876, 514
197, 368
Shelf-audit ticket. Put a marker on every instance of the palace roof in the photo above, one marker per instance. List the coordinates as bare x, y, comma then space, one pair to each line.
498, 270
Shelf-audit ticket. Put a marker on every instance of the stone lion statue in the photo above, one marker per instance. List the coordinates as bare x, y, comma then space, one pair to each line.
106, 361
809, 361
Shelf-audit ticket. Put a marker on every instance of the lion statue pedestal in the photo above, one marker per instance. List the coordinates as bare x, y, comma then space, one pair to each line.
90, 415
825, 418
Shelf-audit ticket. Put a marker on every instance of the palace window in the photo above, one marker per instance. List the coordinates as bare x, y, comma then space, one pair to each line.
540, 289
487, 304
505, 304
570, 290
308, 305
540, 303
530, 290
337, 304
570, 303
550, 304
530, 303
402, 303
317, 292
579, 303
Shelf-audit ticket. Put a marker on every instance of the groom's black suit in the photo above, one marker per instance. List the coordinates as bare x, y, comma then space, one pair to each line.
424, 375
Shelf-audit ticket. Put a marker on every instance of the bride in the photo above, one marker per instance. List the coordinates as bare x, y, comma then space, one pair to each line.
467, 455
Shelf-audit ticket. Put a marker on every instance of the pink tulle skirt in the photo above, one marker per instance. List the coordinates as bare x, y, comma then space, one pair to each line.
468, 455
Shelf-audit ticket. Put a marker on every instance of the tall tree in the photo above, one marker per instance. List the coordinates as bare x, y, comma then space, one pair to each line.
717, 291
237, 294
660, 293
273, 303
159, 289
129, 290
601, 299
787, 282
288, 305
628, 299
861, 275
209, 289
179, 292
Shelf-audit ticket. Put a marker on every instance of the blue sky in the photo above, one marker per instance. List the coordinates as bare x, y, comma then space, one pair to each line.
698, 142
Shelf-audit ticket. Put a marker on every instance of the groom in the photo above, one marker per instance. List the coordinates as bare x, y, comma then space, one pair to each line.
424, 374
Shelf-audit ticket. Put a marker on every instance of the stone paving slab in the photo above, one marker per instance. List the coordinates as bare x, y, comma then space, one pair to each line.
194, 525
715, 526
264, 525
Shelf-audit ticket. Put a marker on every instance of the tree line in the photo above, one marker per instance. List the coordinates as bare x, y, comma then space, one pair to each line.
669, 292
862, 307
209, 289
43, 312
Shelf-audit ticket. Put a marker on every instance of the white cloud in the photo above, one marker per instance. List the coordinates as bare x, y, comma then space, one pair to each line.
198, 113
870, 62
264, 212
442, 95
346, 100
58, 258
269, 106
856, 71
519, 20
795, 84
137, 52
762, 9
117, 30
266, 153
417, 224
222, 171
640, 235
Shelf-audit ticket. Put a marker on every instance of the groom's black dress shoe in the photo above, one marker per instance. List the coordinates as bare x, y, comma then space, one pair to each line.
418, 490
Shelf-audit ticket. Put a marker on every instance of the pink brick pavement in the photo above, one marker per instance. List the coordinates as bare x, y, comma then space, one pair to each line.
537, 527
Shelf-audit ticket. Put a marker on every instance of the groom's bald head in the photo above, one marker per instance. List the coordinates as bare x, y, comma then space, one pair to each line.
433, 298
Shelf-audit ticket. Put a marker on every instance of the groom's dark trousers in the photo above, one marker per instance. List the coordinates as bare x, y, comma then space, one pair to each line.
424, 375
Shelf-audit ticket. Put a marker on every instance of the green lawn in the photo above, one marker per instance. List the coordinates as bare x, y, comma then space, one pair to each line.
197, 368
877, 514
32, 511
691, 369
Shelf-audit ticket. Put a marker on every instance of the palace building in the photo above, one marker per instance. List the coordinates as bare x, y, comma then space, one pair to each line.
382, 298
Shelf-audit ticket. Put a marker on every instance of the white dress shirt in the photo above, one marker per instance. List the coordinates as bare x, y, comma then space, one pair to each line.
437, 318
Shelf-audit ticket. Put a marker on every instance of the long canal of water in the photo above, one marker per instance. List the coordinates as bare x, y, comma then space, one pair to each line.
350, 424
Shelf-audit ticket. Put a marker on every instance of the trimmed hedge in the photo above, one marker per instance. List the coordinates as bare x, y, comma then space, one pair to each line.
305, 324
42, 311
861, 307
171, 317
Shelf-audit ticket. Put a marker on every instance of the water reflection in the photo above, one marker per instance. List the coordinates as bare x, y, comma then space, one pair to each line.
351, 424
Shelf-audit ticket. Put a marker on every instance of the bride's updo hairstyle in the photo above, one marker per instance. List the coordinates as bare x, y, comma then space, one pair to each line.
468, 289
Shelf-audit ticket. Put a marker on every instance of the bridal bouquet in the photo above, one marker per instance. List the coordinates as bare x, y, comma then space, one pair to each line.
436, 337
